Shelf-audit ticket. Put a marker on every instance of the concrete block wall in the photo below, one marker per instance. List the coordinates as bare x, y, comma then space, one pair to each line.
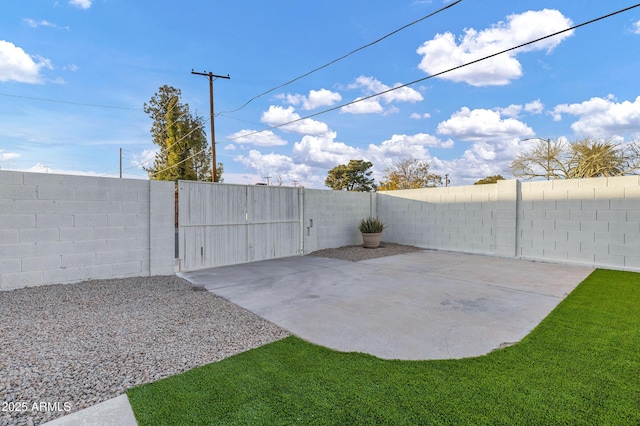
505, 218
331, 218
454, 218
61, 229
594, 222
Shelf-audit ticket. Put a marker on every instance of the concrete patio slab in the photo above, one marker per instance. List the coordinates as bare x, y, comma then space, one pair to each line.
423, 305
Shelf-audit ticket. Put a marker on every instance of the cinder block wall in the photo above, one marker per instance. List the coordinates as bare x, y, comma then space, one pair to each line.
331, 218
594, 222
61, 229
584, 221
455, 218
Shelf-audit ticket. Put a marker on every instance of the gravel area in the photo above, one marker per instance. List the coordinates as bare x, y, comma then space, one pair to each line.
356, 253
67, 347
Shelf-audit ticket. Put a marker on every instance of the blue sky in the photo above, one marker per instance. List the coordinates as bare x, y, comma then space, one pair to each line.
74, 75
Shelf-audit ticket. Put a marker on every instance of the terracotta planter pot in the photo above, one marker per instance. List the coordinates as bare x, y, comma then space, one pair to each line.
371, 240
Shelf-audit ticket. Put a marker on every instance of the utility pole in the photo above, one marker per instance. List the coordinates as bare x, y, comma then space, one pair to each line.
548, 158
120, 163
214, 165
548, 141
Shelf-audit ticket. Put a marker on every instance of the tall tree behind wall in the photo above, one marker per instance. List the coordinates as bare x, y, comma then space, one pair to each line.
354, 176
183, 150
585, 158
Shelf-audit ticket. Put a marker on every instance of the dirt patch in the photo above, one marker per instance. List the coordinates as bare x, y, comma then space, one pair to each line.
357, 252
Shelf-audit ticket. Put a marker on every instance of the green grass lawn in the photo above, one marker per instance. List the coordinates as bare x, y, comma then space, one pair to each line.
581, 365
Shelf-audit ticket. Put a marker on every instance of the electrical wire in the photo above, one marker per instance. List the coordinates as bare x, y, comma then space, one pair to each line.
70, 103
180, 162
342, 57
484, 58
166, 149
117, 107
422, 79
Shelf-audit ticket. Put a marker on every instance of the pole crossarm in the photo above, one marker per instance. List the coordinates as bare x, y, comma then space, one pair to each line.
211, 76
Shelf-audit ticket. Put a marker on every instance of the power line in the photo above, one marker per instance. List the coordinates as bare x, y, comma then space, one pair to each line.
424, 78
141, 164
343, 56
180, 162
440, 73
70, 103
201, 127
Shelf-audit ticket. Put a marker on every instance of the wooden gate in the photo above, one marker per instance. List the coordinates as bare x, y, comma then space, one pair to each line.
223, 224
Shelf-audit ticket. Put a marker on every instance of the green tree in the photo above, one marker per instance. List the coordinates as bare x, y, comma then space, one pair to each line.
489, 179
409, 173
184, 152
354, 176
581, 159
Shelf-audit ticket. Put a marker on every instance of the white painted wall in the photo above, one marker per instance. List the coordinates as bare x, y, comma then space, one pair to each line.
593, 222
331, 218
586, 221
458, 218
62, 229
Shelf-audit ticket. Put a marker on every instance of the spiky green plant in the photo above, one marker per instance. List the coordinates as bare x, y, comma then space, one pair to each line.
371, 225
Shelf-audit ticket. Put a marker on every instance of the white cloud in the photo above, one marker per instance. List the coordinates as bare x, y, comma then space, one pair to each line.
324, 152
510, 111
480, 160
534, 107
43, 23
370, 86
513, 111
404, 146
636, 27
591, 107
443, 52
482, 125
280, 166
417, 116
276, 115
264, 138
44, 168
313, 156
602, 117
315, 99
6, 156
367, 106
17, 65
145, 158
82, 4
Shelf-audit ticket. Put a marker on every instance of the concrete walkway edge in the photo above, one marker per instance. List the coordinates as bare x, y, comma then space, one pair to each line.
116, 411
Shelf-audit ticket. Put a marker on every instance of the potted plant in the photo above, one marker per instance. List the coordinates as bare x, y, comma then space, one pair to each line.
371, 229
